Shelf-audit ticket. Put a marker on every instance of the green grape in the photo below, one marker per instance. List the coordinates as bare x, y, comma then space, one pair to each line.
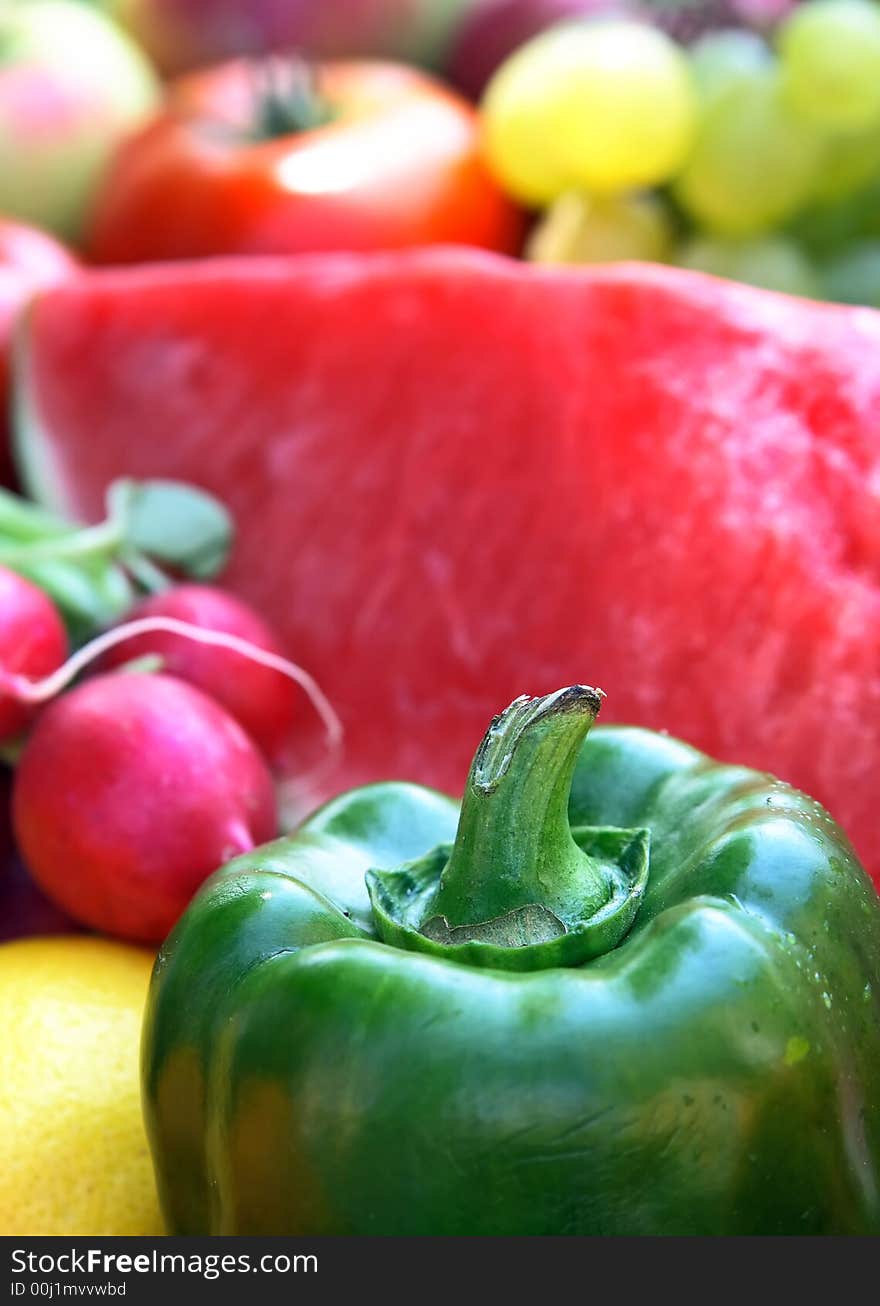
605, 106
828, 228
830, 52
774, 263
723, 59
854, 276
850, 160
754, 164
583, 229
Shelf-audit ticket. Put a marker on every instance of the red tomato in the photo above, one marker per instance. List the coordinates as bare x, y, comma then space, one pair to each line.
29, 260
223, 170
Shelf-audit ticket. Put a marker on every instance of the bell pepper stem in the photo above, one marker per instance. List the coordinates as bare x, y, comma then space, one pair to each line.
514, 847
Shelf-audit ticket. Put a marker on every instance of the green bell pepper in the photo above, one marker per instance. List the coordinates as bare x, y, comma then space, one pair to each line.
624, 990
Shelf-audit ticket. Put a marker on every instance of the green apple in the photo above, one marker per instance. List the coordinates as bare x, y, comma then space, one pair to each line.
71, 85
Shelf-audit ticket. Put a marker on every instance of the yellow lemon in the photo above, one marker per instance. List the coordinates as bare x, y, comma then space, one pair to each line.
73, 1153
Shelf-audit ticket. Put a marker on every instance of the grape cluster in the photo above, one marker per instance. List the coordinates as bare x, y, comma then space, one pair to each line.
750, 157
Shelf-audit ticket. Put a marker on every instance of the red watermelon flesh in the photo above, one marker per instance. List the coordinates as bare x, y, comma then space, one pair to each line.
458, 479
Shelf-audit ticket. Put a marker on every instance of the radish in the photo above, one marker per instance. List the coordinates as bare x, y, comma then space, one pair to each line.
33, 642
260, 698
130, 790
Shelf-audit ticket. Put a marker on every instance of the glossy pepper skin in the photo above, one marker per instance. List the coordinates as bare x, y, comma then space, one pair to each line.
639, 995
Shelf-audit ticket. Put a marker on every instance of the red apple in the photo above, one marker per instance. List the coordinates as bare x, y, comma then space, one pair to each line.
71, 85
29, 260
183, 34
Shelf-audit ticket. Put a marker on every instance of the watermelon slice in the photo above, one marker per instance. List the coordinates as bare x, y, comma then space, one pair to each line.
458, 479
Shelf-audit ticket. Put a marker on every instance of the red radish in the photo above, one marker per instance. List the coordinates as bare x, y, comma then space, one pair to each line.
33, 642
130, 790
261, 699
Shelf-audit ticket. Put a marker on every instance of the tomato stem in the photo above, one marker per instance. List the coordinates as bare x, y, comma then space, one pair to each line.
287, 99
